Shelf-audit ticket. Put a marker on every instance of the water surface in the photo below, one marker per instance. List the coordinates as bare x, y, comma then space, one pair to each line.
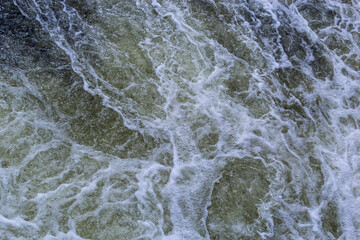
179, 119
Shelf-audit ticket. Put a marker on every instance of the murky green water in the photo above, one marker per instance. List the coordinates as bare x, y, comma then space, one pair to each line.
188, 119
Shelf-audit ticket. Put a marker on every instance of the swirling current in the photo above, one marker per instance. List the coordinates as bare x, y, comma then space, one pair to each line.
179, 119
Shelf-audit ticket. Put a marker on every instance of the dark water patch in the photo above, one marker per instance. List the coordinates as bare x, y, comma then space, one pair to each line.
238, 82
330, 220
205, 7
84, 116
322, 66
219, 23
353, 61
294, 110
102, 207
287, 2
23, 43
14, 231
354, 100
30, 210
101, 127
293, 78
261, 20
356, 36
338, 43
257, 106
115, 139
88, 10
207, 143
324, 104
52, 158
233, 212
349, 121
318, 14
111, 223
316, 166
294, 43
298, 47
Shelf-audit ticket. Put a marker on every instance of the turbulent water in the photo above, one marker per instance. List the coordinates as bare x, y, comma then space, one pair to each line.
179, 119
